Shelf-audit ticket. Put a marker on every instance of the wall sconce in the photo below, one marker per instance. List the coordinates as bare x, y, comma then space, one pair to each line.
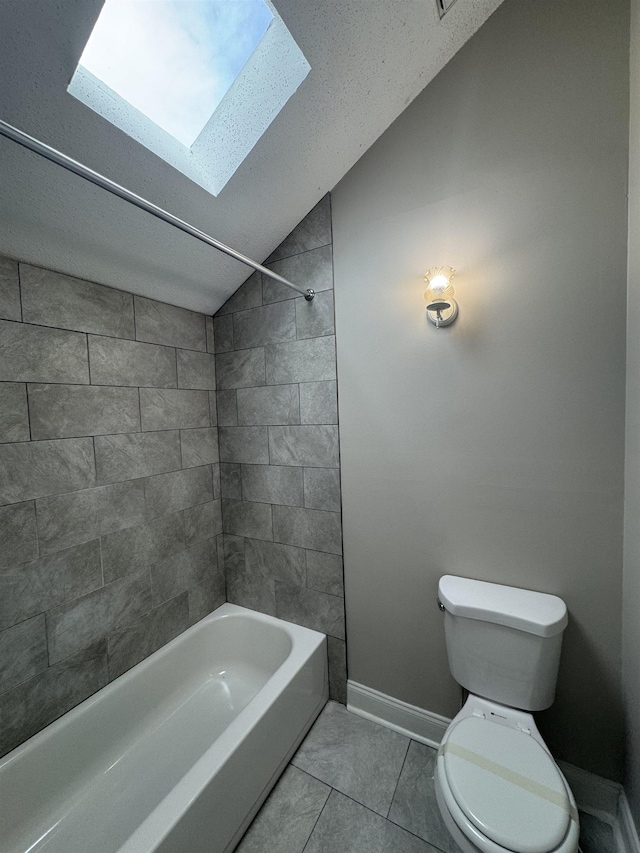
442, 308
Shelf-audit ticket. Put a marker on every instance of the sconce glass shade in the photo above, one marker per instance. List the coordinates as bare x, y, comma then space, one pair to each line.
442, 308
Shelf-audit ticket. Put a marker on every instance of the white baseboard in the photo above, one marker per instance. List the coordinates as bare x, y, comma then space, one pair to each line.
628, 840
593, 793
409, 720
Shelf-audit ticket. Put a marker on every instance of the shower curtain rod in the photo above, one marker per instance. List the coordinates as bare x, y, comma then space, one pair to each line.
100, 181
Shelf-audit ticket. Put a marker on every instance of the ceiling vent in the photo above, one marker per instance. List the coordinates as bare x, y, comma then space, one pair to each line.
444, 6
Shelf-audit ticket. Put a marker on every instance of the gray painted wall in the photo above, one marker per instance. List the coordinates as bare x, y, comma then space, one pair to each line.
280, 474
631, 581
492, 449
109, 503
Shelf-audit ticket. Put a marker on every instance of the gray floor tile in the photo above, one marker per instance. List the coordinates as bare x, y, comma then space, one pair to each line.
285, 821
414, 804
347, 827
596, 836
354, 755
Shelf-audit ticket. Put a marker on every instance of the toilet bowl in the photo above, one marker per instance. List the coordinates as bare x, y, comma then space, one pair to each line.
498, 787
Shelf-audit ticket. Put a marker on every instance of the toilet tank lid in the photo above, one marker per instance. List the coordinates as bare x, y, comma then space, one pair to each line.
534, 612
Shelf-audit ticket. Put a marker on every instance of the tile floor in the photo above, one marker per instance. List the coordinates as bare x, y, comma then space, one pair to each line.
356, 787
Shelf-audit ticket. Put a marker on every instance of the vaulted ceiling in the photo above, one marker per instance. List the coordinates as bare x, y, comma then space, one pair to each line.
369, 59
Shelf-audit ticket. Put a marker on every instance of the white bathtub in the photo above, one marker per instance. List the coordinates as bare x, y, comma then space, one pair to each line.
177, 754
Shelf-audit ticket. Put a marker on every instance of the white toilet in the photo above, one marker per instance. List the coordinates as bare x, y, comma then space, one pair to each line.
497, 786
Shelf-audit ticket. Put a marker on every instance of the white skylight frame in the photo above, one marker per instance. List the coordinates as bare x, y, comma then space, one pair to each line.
271, 75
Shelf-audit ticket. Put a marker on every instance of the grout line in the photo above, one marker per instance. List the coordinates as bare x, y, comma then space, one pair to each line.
86, 341
404, 761
95, 461
319, 813
26, 394
295, 255
135, 322
19, 265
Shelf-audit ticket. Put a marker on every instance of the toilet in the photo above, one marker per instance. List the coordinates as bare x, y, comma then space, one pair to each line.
497, 786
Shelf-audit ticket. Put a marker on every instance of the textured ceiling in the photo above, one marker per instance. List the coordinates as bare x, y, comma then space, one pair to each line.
369, 59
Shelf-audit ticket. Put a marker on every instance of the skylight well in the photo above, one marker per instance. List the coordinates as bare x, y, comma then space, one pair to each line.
182, 76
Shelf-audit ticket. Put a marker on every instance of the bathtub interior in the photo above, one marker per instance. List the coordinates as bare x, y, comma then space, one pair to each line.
151, 726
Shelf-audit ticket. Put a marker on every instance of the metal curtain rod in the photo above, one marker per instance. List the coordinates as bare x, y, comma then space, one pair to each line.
100, 181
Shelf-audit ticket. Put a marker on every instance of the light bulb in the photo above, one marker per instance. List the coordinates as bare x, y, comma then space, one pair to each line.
439, 282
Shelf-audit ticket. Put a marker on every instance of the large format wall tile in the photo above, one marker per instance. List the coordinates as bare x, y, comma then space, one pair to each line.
246, 587
277, 419
243, 518
244, 444
90, 502
115, 362
132, 455
52, 299
175, 574
273, 484
45, 697
203, 521
159, 323
313, 269
312, 360
74, 626
227, 407
128, 551
9, 290
65, 520
268, 324
32, 588
172, 409
23, 652
319, 403
337, 654
196, 370
14, 413
128, 646
248, 295
273, 560
199, 446
242, 369
206, 596
231, 480
18, 536
37, 354
61, 411
167, 493
322, 488
315, 319
324, 572
210, 334
308, 528
33, 469
271, 404
312, 232
310, 446
313, 609
223, 328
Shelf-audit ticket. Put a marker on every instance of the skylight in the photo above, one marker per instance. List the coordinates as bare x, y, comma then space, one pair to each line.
195, 81
174, 60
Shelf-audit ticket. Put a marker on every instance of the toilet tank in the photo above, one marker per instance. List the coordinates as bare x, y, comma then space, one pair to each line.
503, 643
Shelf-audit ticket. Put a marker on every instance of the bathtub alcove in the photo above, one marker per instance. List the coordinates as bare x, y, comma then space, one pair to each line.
175, 755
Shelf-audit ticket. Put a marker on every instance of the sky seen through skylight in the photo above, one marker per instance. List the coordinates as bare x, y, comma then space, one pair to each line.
174, 60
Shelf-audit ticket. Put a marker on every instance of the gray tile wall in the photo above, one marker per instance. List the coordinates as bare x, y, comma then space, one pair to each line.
278, 430
110, 505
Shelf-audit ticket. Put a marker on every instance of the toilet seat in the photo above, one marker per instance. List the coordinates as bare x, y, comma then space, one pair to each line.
503, 789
